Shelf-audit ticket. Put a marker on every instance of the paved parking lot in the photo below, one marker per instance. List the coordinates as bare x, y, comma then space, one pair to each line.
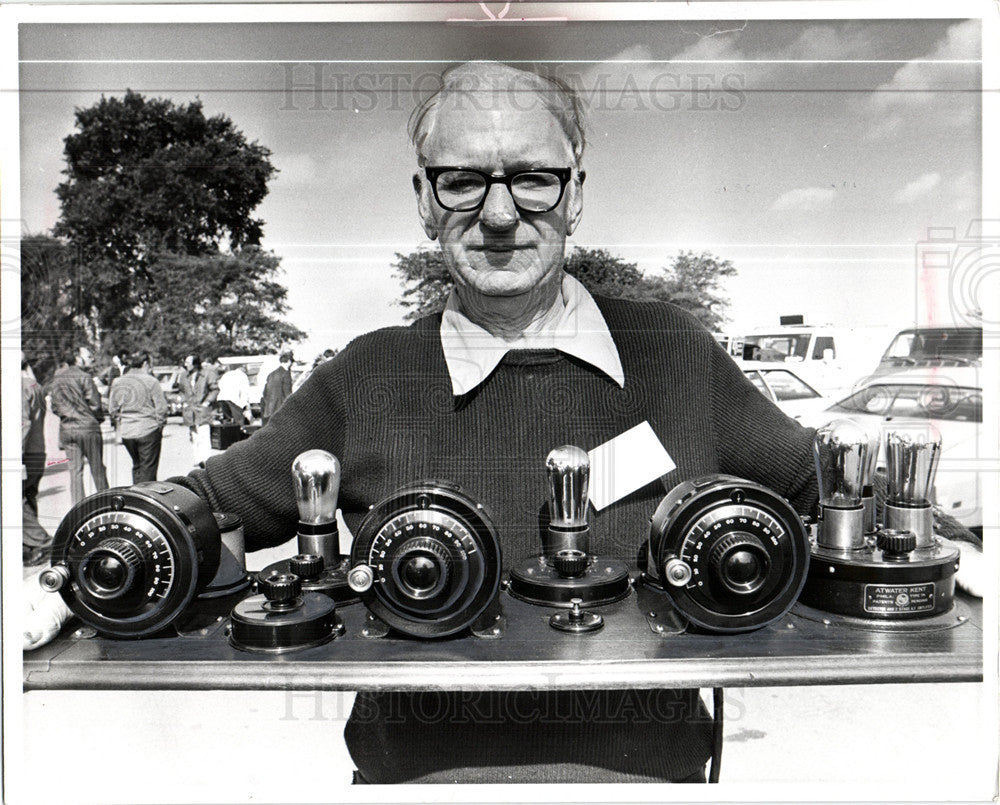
899, 742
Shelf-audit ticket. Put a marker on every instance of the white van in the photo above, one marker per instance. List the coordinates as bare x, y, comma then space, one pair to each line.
831, 359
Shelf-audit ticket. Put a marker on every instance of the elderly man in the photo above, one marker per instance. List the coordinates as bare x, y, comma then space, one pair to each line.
522, 360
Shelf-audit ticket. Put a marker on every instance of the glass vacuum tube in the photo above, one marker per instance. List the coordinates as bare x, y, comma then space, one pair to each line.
842, 451
912, 453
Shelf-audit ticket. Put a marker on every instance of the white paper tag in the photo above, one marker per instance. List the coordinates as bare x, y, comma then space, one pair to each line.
626, 463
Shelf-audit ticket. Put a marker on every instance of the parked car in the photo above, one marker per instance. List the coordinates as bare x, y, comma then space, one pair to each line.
952, 401
932, 347
170, 381
785, 389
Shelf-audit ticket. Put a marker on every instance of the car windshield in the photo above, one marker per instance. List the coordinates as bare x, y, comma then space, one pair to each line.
948, 403
777, 347
958, 344
787, 386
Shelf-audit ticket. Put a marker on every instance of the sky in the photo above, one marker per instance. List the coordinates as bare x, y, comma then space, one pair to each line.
820, 157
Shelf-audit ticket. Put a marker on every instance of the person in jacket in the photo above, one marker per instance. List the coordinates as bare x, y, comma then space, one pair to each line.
138, 410
199, 388
34, 538
77, 403
277, 388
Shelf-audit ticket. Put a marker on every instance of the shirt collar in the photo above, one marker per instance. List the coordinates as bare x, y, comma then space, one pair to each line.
576, 327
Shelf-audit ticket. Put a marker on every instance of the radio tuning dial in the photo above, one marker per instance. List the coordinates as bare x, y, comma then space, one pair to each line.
740, 562
424, 565
112, 568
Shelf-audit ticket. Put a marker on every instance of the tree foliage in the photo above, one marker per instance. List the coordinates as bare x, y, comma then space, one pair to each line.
51, 321
216, 304
157, 205
426, 282
692, 281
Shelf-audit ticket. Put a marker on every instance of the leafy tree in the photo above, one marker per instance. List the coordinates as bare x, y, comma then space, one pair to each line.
216, 304
426, 282
603, 274
50, 312
691, 282
153, 187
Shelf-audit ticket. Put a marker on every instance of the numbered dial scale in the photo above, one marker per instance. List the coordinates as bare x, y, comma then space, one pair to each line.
426, 560
127, 561
731, 554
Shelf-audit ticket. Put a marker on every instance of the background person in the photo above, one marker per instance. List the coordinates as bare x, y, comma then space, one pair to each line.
35, 541
233, 399
77, 403
139, 412
199, 388
277, 388
119, 365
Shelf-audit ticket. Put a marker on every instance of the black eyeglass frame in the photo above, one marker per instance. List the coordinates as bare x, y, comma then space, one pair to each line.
562, 174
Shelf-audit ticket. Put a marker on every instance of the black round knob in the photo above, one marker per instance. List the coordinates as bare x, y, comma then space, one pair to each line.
111, 569
740, 561
423, 566
570, 562
280, 588
895, 543
307, 566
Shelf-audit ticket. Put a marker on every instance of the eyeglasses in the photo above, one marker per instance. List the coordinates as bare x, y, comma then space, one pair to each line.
465, 189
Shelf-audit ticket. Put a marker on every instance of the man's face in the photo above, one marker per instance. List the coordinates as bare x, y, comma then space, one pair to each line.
84, 358
498, 250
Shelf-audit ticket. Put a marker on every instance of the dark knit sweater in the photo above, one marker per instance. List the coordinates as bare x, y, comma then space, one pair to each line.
385, 407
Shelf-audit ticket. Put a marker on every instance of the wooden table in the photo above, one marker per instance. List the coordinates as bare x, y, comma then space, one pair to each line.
635, 649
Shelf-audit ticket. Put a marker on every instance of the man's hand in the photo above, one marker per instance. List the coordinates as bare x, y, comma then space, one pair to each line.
44, 614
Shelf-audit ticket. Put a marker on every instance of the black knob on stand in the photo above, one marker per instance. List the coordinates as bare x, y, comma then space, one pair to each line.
307, 566
894, 544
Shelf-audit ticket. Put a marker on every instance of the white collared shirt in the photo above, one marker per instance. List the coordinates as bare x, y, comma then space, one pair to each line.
575, 327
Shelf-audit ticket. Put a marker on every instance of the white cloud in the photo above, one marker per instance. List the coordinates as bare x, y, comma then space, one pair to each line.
961, 41
918, 188
922, 86
806, 199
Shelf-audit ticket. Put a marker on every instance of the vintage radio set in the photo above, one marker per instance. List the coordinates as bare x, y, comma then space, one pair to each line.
889, 570
723, 555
